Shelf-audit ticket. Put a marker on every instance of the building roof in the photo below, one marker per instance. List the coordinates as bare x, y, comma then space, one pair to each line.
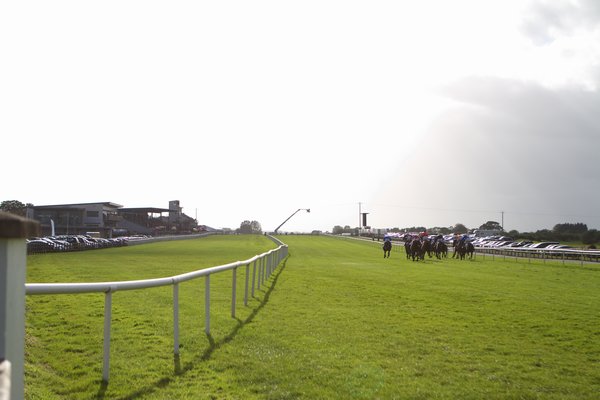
145, 210
104, 203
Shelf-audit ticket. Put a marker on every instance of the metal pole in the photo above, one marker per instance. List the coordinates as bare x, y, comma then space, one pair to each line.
106, 351
253, 276
207, 305
359, 213
176, 318
269, 265
287, 219
258, 278
246, 286
233, 291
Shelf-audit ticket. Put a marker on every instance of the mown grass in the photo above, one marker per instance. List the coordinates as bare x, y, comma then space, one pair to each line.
337, 320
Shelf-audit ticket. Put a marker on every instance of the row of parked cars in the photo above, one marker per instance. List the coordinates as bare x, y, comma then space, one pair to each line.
505, 241
49, 244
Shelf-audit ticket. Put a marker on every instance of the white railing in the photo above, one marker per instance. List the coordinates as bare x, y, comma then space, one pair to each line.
262, 267
564, 255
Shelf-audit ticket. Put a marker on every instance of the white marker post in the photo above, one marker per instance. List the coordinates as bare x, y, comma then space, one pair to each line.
13, 261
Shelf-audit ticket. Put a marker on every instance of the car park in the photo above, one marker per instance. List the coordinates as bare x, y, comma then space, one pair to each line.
542, 245
61, 243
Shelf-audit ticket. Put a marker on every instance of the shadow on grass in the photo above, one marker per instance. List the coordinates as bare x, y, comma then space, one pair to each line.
212, 347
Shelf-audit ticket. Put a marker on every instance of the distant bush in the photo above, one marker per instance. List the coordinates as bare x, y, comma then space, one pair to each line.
590, 237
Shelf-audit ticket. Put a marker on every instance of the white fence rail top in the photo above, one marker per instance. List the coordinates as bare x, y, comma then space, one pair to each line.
105, 287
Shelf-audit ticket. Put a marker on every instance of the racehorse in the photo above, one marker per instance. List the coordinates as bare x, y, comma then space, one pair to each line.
463, 248
470, 250
440, 249
426, 247
387, 248
407, 247
416, 250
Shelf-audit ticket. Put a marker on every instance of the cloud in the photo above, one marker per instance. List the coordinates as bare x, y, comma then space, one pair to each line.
505, 145
542, 112
544, 21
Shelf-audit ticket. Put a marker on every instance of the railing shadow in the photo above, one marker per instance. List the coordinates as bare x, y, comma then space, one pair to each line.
207, 354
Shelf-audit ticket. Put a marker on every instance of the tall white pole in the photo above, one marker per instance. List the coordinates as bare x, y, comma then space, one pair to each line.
359, 214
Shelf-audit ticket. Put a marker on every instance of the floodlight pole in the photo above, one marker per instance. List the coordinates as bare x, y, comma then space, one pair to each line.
300, 209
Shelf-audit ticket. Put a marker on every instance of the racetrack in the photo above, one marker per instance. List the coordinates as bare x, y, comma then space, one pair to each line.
337, 320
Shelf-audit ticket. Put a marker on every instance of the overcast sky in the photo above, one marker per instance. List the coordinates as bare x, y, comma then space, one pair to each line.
429, 113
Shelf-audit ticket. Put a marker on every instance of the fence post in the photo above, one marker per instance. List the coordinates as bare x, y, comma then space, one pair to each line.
246, 285
260, 268
106, 347
176, 318
207, 305
253, 276
267, 267
233, 291
13, 262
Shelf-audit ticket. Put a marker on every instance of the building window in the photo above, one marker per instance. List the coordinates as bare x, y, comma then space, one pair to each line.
92, 214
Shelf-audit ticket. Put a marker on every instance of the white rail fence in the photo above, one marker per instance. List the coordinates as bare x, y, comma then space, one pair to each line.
564, 255
263, 266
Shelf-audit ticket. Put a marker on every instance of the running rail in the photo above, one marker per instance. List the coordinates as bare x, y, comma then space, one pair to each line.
263, 265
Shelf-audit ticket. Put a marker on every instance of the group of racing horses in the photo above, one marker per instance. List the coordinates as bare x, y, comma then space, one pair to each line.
417, 247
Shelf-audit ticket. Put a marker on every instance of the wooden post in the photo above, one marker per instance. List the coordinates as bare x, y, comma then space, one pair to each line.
13, 261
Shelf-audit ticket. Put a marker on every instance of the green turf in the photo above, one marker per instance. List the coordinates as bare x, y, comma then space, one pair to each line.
336, 321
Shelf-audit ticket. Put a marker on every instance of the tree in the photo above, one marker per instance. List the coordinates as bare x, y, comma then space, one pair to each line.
579, 228
440, 230
491, 226
460, 228
590, 237
513, 234
250, 227
256, 228
245, 227
415, 229
14, 207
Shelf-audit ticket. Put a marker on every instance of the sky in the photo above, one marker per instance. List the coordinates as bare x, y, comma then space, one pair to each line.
427, 113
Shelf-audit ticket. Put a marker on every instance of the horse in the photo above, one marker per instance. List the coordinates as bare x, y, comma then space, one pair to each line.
455, 243
463, 248
387, 248
416, 250
470, 249
407, 248
426, 247
440, 249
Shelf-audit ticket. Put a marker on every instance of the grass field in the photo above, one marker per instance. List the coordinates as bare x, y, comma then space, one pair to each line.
336, 321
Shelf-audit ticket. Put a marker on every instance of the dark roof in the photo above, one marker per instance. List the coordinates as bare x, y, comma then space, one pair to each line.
144, 210
59, 207
104, 203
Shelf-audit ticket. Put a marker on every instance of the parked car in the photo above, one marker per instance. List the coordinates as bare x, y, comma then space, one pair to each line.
542, 245
39, 246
